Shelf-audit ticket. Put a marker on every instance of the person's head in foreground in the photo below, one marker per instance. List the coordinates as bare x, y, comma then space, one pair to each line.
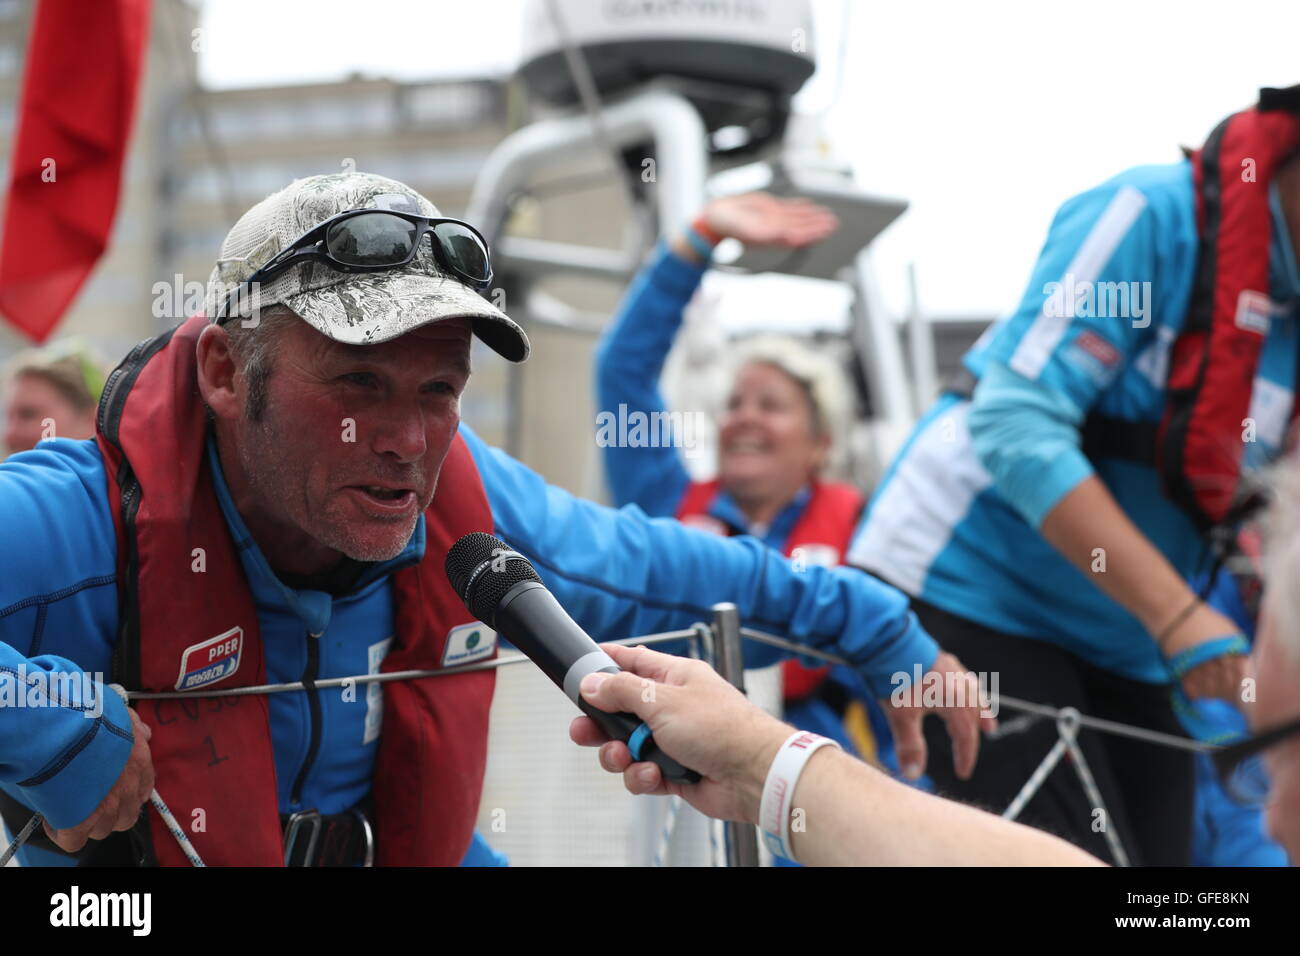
1277, 666
51, 392
334, 387
776, 432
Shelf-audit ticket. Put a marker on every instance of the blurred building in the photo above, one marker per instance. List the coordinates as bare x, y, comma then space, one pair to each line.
199, 158
112, 309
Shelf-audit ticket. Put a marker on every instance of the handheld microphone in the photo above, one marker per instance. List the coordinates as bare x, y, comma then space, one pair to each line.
501, 588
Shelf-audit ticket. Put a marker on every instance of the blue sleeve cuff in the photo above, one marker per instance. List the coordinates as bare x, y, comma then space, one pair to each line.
675, 275
915, 648
69, 789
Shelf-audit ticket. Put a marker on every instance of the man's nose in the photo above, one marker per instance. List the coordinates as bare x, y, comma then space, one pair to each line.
400, 431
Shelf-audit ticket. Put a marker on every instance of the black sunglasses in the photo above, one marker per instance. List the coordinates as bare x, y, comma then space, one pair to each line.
372, 240
1240, 766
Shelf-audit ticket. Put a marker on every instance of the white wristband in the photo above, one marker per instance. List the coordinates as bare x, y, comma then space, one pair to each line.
778, 791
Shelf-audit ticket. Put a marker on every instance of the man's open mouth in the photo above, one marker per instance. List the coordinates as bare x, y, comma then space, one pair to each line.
389, 497
388, 494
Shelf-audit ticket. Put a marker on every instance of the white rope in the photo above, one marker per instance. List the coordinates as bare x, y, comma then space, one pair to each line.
175, 829
1067, 728
23, 835
666, 834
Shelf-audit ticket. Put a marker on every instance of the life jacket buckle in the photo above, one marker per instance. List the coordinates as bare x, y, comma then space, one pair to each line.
291, 829
369, 835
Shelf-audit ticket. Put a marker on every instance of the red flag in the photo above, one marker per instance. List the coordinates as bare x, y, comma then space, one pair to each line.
79, 89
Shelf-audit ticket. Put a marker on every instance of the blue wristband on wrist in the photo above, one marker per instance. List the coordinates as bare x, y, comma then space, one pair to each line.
1193, 657
1196, 723
702, 246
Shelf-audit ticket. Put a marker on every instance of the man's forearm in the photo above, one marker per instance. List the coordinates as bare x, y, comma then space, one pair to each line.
850, 814
1087, 525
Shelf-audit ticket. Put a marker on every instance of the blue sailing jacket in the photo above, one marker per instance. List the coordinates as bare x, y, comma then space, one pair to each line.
955, 519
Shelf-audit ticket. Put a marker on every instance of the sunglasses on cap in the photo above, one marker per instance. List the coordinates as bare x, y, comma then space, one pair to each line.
372, 240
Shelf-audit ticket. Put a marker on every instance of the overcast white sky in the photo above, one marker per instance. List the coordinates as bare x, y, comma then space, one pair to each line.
985, 115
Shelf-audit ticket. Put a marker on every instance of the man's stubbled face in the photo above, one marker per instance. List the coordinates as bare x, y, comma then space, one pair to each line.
347, 453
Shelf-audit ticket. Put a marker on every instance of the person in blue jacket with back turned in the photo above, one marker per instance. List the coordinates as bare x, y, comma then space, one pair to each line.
1047, 513
259, 507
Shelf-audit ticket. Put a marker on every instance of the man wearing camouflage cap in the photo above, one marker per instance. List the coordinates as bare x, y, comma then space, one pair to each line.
259, 507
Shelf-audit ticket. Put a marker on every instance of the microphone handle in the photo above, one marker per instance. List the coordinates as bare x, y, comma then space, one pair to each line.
530, 617
634, 732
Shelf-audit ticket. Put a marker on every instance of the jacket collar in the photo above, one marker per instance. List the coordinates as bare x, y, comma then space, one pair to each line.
311, 606
725, 509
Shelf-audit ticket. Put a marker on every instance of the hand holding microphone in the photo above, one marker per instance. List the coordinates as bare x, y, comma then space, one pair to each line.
501, 589
699, 718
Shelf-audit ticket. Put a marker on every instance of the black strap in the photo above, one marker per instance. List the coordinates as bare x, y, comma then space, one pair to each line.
1106, 437
1102, 436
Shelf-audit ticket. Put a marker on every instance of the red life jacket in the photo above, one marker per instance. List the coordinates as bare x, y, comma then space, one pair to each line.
215, 753
1215, 357
825, 526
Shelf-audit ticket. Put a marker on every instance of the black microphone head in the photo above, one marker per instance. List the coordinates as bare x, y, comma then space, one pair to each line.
482, 568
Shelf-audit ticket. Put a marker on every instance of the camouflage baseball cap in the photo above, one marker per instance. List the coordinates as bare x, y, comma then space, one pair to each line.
355, 308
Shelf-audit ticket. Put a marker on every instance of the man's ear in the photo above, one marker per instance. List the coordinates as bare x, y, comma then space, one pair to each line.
216, 368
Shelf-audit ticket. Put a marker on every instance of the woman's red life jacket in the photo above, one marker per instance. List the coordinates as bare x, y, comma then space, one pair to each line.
822, 535
212, 756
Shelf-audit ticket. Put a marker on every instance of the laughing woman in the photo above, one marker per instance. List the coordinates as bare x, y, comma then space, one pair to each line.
775, 437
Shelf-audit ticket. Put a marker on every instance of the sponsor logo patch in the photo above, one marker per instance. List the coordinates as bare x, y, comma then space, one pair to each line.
375, 655
1094, 355
1253, 311
211, 660
468, 643
1098, 348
